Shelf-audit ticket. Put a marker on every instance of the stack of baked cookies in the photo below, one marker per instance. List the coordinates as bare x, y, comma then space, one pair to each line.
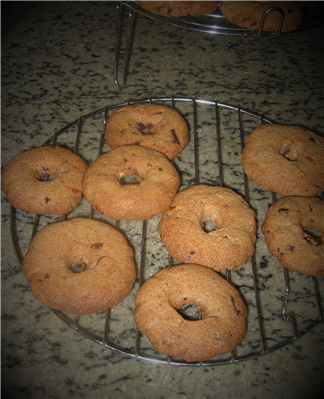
144, 138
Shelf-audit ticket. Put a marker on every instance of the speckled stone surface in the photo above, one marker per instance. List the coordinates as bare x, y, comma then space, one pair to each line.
58, 65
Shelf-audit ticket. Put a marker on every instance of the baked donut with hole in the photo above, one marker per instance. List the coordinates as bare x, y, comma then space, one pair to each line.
50, 266
45, 180
232, 241
285, 159
105, 183
294, 230
155, 126
223, 313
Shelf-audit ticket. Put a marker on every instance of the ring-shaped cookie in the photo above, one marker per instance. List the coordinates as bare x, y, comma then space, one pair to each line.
155, 126
223, 313
287, 228
21, 180
103, 253
104, 188
285, 159
179, 8
248, 14
229, 245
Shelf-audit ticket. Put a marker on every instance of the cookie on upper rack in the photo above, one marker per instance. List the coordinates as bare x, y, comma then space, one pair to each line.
179, 8
285, 159
248, 14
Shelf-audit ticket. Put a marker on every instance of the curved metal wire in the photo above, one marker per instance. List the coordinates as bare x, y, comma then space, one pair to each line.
215, 24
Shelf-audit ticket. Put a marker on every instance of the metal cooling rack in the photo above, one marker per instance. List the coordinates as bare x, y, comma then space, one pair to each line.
214, 23
282, 306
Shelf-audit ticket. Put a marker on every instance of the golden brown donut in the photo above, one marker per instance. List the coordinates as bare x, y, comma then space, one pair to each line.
103, 183
155, 126
285, 159
179, 8
248, 14
182, 227
109, 269
285, 229
24, 189
223, 313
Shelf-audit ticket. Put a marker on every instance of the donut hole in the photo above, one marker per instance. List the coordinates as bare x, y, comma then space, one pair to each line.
189, 312
46, 177
131, 179
313, 237
314, 233
290, 151
209, 226
78, 267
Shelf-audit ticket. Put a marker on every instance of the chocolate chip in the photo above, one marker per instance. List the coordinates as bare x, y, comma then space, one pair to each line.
185, 299
96, 245
192, 252
312, 139
145, 129
136, 143
141, 126
175, 137
47, 200
291, 248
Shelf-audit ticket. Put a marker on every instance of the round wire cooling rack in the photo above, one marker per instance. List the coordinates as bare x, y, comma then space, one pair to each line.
282, 305
214, 23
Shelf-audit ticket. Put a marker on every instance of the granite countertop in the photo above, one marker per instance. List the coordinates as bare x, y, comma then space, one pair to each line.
58, 65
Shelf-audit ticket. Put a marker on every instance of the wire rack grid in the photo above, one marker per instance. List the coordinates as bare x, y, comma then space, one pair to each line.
215, 24
282, 306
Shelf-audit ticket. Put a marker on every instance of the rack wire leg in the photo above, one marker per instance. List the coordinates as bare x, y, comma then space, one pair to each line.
118, 34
